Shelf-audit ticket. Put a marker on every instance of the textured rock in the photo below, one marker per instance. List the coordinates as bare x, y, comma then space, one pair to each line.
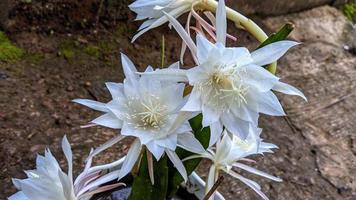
327, 74
277, 7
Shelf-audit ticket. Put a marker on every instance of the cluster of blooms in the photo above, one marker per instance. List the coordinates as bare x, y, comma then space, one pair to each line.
230, 88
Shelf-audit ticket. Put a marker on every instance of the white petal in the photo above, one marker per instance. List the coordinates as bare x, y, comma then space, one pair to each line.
177, 164
259, 78
18, 196
194, 103
223, 147
175, 13
272, 52
269, 104
68, 154
204, 46
257, 172
210, 179
169, 74
288, 89
183, 34
190, 143
106, 145
210, 116
169, 142
129, 68
235, 125
215, 132
131, 158
92, 104
246, 114
252, 184
221, 22
116, 89
155, 149
67, 185
108, 120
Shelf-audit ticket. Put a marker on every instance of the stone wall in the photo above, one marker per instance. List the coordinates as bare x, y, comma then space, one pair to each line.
278, 7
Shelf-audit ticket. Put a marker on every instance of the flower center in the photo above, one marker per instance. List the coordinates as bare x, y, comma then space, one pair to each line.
223, 88
147, 114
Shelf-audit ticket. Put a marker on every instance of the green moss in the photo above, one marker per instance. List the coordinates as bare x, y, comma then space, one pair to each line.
8, 51
68, 50
123, 29
92, 50
36, 58
349, 10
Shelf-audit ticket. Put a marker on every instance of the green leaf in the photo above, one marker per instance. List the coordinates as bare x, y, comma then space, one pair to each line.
142, 189
201, 134
282, 34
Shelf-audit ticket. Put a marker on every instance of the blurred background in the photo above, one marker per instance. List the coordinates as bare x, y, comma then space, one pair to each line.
53, 51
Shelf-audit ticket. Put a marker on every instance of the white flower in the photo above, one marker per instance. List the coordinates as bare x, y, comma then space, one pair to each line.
48, 181
149, 110
152, 11
229, 151
230, 86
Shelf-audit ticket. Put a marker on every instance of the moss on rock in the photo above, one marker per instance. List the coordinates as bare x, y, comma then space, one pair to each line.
8, 51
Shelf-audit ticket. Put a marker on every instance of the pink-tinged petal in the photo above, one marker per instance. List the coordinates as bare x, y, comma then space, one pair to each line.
183, 34
150, 167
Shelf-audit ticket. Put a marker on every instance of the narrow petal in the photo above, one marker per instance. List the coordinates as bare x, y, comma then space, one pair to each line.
250, 183
18, 196
221, 22
183, 34
106, 145
177, 164
204, 46
150, 167
116, 89
194, 102
129, 68
190, 143
155, 149
68, 154
170, 74
288, 89
216, 130
210, 116
269, 104
272, 52
210, 179
108, 120
131, 158
92, 104
257, 172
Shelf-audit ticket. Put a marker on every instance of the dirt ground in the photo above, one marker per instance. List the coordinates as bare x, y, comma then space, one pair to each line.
63, 61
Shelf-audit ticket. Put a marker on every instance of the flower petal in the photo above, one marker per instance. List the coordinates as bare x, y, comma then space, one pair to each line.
177, 164
129, 68
216, 130
221, 22
92, 104
189, 142
272, 52
116, 89
131, 158
108, 120
68, 154
256, 171
288, 89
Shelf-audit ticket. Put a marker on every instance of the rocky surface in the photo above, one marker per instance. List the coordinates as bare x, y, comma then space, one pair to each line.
278, 7
317, 143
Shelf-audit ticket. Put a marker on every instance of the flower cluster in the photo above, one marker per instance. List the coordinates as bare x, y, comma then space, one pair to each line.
228, 86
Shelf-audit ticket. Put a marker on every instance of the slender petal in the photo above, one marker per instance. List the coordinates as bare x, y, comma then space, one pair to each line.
130, 159
272, 52
221, 22
177, 164
288, 89
255, 171
92, 104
